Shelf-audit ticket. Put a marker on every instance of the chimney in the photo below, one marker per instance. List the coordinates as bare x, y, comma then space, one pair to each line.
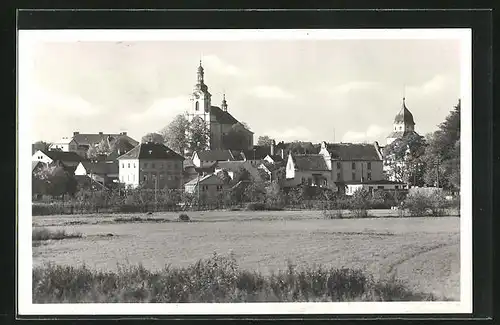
123, 133
100, 133
272, 147
282, 153
75, 133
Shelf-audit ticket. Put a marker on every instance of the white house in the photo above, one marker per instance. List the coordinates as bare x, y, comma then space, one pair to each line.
67, 160
380, 185
152, 165
102, 171
209, 157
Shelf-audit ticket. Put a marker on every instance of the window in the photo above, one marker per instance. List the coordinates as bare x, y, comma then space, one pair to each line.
152, 165
204, 188
128, 166
145, 177
219, 188
128, 178
197, 106
370, 188
369, 165
353, 176
369, 176
325, 182
339, 165
134, 165
353, 165
380, 187
303, 180
145, 165
338, 176
123, 165
396, 187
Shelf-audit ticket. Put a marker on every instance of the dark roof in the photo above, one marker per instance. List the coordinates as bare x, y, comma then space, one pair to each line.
404, 115
101, 167
64, 155
222, 117
215, 155
237, 155
260, 152
309, 162
272, 167
401, 134
210, 179
151, 150
352, 151
276, 158
92, 138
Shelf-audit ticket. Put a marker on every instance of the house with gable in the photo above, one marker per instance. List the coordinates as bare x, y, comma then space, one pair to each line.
308, 169
82, 142
105, 173
67, 160
152, 165
208, 158
209, 187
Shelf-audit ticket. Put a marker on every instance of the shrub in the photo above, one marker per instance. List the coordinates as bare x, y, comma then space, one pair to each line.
38, 234
255, 206
184, 217
214, 280
333, 214
417, 204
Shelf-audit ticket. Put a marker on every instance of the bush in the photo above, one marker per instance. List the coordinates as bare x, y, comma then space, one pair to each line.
39, 234
255, 206
333, 214
423, 204
184, 217
214, 280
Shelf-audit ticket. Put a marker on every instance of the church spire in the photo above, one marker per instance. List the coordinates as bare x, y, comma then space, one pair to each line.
200, 74
224, 103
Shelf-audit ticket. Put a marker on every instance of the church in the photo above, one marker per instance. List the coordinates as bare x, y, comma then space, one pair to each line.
403, 125
222, 127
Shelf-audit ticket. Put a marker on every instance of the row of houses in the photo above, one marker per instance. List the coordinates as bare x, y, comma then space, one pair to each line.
344, 167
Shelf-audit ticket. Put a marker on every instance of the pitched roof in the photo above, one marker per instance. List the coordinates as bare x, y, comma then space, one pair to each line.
210, 179
235, 166
352, 151
260, 152
404, 115
222, 117
237, 155
309, 162
272, 167
93, 138
63, 155
276, 158
35, 164
101, 167
215, 155
151, 150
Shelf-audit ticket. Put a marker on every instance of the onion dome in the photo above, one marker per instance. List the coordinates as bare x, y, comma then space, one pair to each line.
404, 115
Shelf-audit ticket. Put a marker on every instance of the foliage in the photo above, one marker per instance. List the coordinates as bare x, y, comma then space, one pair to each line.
55, 181
101, 149
443, 153
39, 234
405, 158
41, 145
360, 203
176, 134
198, 135
421, 203
153, 137
254, 192
224, 176
184, 217
274, 195
264, 140
218, 279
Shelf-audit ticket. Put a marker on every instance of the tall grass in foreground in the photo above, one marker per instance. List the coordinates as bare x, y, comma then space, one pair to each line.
217, 279
38, 234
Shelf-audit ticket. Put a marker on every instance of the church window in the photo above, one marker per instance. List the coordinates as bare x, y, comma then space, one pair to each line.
353, 165
369, 165
197, 106
353, 176
339, 165
369, 176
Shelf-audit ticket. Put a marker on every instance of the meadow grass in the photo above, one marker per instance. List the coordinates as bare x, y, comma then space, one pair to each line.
39, 234
216, 279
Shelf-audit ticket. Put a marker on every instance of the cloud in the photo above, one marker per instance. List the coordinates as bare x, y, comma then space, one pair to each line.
353, 86
47, 102
266, 91
164, 108
371, 134
296, 133
436, 84
215, 64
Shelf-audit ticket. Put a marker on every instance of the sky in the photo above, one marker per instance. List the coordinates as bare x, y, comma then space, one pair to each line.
309, 90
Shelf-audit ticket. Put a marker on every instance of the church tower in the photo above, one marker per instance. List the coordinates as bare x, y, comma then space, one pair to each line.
200, 100
403, 124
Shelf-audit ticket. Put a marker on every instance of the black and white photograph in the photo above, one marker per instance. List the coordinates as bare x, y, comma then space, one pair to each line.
243, 171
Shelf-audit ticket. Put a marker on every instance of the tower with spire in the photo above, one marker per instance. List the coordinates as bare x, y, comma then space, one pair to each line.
224, 103
403, 123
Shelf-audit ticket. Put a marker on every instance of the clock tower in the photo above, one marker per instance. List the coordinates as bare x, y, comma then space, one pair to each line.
200, 99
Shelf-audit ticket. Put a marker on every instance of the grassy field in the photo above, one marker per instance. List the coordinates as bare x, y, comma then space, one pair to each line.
423, 252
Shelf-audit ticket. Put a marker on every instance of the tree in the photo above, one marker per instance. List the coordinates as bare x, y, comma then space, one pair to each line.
264, 140
442, 155
198, 135
153, 137
404, 156
102, 149
55, 181
224, 176
175, 134
41, 145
